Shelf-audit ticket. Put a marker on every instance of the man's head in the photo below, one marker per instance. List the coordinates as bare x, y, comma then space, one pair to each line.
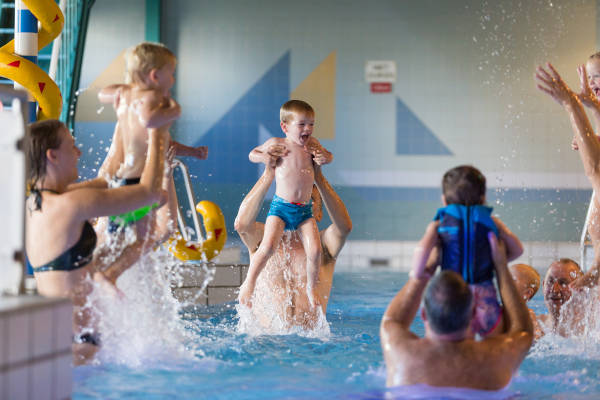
464, 185
448, 303
556, 282
150, 63
297, 119
527, 280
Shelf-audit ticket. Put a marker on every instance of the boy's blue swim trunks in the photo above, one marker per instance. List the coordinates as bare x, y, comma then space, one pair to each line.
292, 214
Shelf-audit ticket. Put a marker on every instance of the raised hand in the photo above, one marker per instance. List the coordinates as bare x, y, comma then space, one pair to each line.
550, 82
587, 96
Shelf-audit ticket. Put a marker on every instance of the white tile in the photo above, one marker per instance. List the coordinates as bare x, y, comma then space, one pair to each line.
192, 275
19, 344
40, 375
42, 331
220, 295
18, 385
226, 276
62, 370
229, 255
63, 326
190, 296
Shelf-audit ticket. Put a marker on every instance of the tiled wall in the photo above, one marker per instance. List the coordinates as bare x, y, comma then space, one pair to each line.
398, 255
35, 348
222, 288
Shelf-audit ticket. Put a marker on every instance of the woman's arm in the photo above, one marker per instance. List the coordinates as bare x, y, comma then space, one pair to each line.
92, 202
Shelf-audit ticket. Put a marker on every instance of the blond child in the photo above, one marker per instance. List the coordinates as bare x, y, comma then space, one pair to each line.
143, 103
291, 208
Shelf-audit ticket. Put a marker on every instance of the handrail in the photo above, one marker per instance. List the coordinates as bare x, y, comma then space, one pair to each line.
583, 242
177, 163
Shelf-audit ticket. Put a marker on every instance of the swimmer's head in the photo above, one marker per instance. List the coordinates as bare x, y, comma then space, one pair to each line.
559, 276
592, 67
145, 58
448, 303
44, 141
317, 204
464, 185
527, 280
297, 120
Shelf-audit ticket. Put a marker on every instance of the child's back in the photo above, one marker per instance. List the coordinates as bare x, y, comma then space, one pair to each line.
463, 226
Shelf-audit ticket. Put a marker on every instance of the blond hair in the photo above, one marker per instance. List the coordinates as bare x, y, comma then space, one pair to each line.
145, 57
292, 107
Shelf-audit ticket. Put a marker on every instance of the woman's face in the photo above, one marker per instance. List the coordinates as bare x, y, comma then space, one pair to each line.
68, 155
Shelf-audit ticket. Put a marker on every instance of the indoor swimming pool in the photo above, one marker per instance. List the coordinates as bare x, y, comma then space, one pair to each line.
219, 363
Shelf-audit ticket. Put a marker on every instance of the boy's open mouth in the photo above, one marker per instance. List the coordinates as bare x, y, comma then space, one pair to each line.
304, 137
596, 91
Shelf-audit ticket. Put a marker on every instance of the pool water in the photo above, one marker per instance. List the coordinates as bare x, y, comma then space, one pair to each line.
220, 363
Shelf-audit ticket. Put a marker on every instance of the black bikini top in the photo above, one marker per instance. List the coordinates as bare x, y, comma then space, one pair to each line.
77, 256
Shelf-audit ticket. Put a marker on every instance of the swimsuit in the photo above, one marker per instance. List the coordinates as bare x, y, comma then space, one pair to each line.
488, 312
79, 255
120, 221
293, 214
463, 231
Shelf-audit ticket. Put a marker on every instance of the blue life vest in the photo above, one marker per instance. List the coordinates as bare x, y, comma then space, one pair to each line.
463, 231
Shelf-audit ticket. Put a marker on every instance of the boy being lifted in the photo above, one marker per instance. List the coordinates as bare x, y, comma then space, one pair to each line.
291, 208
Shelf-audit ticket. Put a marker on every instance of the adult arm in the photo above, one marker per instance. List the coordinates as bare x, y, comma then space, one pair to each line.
550, 82
181, 150
587, 97
269, 152
334, 236
111, 93
514, 247
518, 322
92, 202
251, 231
396, 321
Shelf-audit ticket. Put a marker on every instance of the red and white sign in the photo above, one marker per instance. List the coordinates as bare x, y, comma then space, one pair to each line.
381, 87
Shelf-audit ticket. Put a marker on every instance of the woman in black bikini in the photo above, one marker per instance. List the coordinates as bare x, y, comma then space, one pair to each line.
60, 240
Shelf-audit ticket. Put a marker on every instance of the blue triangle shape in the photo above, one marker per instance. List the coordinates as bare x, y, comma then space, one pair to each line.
413, 137
231, 139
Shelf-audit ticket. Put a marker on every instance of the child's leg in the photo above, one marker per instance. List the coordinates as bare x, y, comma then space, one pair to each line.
309, 234
271, 237
167, 215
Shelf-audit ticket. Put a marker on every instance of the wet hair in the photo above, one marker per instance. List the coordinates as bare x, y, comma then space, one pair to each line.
292, 107
448, 303
464, 185
43, 135
530, 272
145, 57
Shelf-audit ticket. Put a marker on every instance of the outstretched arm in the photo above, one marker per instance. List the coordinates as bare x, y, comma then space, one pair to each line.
550, 82
181, 150
395, 325
514, 247
319, 153
587, 97
269, 152
334, 236
517, 315
110, 94
245, 224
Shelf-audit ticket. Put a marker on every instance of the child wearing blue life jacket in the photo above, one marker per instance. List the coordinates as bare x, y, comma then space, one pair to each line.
462, 226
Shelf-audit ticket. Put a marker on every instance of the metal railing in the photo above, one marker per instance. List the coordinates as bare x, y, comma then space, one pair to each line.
191, 202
